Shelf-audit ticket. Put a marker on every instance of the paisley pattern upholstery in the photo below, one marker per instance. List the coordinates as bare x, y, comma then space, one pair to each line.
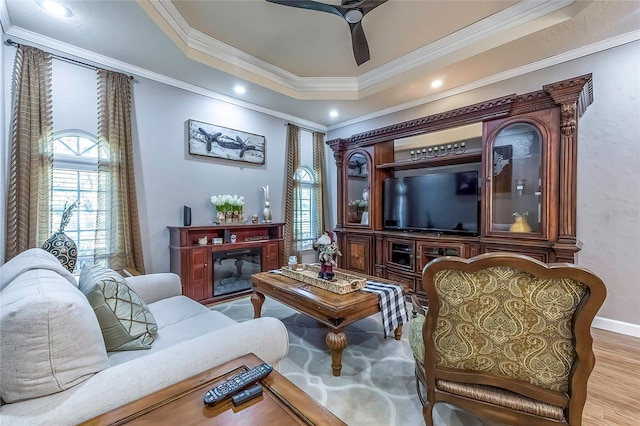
415, 338
506, 321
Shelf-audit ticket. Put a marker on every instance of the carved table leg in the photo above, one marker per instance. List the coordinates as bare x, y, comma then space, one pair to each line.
336, 341
257, 299
399, 332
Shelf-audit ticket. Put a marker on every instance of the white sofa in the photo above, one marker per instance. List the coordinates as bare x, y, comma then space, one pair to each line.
55, 369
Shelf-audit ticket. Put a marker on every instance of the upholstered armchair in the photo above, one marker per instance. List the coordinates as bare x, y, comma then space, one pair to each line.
508, 338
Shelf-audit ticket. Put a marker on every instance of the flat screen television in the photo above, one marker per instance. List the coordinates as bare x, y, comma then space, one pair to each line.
443, 202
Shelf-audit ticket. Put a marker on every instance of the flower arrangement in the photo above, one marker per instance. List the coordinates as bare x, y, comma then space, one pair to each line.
359, 204
228, 203
229, 207
356, 209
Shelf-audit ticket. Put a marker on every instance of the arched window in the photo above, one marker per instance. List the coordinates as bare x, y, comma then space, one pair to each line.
75, 177
305, 232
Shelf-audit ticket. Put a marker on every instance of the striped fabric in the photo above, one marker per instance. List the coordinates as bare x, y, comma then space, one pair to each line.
392, 305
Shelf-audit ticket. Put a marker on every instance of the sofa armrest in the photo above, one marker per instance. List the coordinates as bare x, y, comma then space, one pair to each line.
154, 287
123, 383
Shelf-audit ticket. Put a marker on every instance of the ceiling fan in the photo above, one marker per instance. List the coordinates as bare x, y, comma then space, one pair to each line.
351, 11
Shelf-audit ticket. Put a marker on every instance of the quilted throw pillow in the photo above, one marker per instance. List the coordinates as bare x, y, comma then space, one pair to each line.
124, 318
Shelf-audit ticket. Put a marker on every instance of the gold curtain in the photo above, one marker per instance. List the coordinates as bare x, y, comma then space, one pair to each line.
116, 182
320, 170
293, 163
31, 161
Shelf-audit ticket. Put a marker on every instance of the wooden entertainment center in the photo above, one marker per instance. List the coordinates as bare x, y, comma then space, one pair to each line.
525, 154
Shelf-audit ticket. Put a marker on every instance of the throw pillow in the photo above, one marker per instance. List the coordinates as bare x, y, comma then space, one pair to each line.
50, 337
124, 318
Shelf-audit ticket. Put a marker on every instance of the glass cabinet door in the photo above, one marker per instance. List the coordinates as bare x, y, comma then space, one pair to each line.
515, 179
357, 189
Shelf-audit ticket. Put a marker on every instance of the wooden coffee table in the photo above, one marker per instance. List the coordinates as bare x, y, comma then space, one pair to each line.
281, 403
336, 311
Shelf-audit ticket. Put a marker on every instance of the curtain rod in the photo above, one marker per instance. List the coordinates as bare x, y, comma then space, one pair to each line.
306, 128
63, 58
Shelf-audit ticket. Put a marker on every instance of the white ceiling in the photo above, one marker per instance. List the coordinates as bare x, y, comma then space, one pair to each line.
300, 63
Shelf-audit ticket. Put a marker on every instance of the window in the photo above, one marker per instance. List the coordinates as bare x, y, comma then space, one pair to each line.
304, 211
75, 177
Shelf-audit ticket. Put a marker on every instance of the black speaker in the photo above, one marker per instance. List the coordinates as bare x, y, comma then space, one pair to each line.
187, 216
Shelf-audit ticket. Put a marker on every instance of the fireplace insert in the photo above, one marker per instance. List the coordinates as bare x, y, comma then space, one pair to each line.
232, 269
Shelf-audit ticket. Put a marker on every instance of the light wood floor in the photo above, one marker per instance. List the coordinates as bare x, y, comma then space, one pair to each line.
613, 397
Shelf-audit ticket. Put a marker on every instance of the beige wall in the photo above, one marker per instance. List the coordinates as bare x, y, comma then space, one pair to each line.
608, 215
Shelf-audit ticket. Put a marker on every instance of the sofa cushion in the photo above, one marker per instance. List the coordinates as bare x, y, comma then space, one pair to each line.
125, 320
195, 322
176, 309
50, 337
34, 258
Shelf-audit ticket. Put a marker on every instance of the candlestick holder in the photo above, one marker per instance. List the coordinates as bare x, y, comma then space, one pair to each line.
438, 151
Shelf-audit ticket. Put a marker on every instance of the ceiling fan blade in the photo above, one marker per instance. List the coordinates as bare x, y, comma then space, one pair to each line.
358, 39
309, 4
359, 43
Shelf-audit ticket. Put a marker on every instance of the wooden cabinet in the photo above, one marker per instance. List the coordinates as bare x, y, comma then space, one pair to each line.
356, 192
271, 256
194, 262
427, 251
527, 159
406, 254
199, 278
357, 253
400, 254
520, 194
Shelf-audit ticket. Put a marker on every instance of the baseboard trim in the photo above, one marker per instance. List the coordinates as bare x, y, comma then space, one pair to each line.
617, 326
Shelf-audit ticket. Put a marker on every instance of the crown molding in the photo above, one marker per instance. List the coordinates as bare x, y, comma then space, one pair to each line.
497, 78
106, 62
517, 15
194, 40
226, 57
48, 44
5, 22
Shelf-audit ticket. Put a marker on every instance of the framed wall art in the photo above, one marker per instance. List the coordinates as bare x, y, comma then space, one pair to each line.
210, 140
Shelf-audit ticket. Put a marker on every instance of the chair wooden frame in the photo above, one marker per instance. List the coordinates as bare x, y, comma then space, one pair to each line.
571, 401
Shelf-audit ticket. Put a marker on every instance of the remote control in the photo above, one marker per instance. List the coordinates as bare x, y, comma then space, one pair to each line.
246, 395
230, 387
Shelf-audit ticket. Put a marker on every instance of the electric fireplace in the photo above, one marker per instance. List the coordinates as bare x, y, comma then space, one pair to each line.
232, 269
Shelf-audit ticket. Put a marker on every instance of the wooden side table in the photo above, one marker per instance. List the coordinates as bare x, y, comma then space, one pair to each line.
281, 403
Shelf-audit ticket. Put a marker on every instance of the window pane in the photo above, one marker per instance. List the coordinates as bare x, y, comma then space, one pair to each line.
304, 207
61, 148
75, 178
87, 148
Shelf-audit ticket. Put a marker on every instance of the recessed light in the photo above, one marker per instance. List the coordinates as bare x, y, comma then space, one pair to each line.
240, 90
436, 83
55, 8
333, 113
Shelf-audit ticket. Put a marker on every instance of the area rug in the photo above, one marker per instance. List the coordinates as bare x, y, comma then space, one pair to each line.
377, 385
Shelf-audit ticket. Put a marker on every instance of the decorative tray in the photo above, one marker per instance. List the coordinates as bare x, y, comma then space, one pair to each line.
342, 283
